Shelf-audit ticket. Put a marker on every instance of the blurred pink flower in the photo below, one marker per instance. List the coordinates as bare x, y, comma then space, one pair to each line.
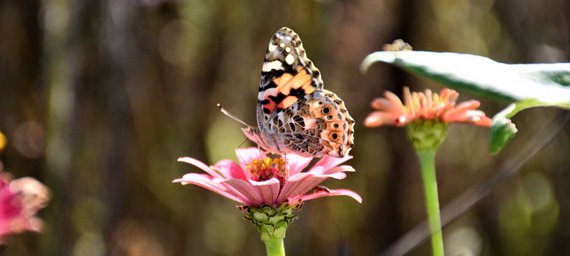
261, 180
426, 106
20, 200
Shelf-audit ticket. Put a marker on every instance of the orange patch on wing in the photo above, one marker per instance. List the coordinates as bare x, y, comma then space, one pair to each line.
288, 101
306, 84
308, 87
287, 82
283, 79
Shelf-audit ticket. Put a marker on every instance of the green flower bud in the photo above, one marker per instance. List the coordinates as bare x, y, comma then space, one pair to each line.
271, 222
426, 135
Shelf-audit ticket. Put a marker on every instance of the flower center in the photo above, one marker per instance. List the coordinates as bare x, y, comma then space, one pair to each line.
267, 168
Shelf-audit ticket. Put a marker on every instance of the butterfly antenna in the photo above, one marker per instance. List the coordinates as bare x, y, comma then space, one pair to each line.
225, 112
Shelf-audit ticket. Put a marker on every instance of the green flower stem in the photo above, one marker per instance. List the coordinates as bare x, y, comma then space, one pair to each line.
275, 246
427, 162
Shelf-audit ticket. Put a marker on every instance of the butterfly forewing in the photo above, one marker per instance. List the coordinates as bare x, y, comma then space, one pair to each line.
286, 76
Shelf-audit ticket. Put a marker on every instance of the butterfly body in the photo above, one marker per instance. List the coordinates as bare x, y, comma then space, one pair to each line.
294, 113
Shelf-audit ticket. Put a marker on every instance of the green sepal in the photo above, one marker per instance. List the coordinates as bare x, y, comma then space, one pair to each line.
271, 222
426, 135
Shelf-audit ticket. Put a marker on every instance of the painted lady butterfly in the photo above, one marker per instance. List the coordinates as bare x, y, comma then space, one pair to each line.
294, 113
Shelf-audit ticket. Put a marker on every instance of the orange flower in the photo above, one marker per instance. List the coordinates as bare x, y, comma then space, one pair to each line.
424, 106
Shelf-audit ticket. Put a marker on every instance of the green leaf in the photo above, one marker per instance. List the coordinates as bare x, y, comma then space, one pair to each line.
503, 129
549, 83
525, 85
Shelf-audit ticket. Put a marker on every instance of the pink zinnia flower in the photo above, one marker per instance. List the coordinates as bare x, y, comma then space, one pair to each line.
261, 180
424, 106
20, 200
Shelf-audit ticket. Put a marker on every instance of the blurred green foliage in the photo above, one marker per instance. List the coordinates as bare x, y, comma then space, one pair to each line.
99, 98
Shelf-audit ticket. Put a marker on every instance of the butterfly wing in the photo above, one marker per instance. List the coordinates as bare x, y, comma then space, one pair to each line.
294, 113
317, 126
287, 76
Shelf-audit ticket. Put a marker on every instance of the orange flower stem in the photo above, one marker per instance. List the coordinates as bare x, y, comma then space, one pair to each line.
427, 162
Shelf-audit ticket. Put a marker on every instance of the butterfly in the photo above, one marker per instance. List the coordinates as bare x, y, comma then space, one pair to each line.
294, 113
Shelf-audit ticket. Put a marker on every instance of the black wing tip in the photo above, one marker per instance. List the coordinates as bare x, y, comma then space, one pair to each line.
285, 29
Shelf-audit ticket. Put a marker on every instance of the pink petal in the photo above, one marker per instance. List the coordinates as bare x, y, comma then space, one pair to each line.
335, 173
408, 101
332, 192
414, 106
428, 99
316, 170
209, 183
35, 224
300, 184
406, 119
228, 169
297, 163
393, 106
337, 176
338, 172
464, 106
329, 162
425, 106
245, 189
465, 112
484, 122
442, 108
246, 155
269, 190
397, 105
379, 118
257, 192
200, 165
380, 104
374, 119
342, 168
452, 97
470, 116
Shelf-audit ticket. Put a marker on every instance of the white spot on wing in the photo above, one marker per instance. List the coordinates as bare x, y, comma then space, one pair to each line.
272, 47
267, 93
289, 59
288, 49
282, 45
273, 65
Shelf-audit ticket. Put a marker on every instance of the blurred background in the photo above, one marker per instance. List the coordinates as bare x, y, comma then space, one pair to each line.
98, 98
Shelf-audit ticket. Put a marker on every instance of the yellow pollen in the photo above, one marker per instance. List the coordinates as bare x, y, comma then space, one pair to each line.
267, 168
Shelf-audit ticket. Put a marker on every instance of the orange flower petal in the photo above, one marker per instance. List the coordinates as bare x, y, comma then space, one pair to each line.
378, 118
424, 105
